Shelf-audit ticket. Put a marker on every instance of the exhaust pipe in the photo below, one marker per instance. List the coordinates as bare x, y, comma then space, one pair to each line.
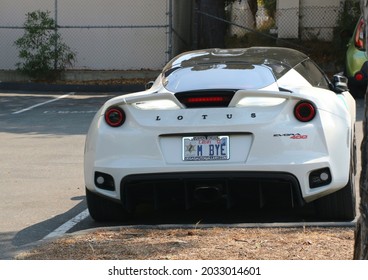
207, 194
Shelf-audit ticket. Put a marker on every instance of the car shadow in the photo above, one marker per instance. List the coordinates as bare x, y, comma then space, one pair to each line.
40, 230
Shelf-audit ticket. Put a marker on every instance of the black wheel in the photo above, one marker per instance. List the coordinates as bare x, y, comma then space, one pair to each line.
339, 205
357, 91
104, 210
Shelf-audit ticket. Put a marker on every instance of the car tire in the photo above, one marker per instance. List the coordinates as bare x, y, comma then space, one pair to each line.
104, 210
340, 205
357, 92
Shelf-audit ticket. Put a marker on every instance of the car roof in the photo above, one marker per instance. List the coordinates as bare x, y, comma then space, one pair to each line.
254, 55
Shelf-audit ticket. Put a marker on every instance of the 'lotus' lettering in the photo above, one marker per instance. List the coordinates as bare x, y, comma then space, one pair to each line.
207, 117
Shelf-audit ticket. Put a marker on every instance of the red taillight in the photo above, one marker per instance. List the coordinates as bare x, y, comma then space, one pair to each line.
211, 99
304, 111
205, 98
359, 76
359, 35
114, 116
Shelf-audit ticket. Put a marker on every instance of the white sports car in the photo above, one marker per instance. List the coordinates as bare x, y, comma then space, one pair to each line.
230, 127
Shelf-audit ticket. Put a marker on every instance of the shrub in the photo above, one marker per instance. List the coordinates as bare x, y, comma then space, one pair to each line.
41, 49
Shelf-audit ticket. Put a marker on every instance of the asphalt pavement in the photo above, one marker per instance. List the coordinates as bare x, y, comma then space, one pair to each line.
42, 138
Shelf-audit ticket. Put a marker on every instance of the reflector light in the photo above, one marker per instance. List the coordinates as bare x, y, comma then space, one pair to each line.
114, 116
205, 99
304, 111
359, 76
319, 178
104, 181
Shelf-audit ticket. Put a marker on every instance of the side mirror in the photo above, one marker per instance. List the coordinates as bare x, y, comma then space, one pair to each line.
149, 85
340, 83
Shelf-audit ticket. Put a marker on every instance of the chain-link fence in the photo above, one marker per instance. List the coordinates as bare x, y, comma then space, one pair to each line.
145, 34
302, 23
320, 31
104, 34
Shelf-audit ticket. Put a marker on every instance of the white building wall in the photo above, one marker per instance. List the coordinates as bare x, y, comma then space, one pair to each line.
318, 19
320, 3
313, 19
96, 48
12, 13
115, 48
287, 19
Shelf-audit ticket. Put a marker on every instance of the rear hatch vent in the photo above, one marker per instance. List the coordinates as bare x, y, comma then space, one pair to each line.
205, 98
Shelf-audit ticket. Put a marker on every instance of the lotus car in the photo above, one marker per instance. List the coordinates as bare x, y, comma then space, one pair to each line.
227, 127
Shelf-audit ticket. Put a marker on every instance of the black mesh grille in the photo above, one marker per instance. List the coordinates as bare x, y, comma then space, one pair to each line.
190, 190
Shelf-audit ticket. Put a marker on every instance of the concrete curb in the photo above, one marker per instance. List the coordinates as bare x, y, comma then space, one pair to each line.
350, 224
12, 80
14, 86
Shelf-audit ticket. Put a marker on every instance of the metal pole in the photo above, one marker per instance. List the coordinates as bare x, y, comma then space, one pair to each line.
56, 31
195, 24
170, 35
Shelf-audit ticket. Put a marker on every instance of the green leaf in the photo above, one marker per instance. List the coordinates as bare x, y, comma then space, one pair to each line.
41, 47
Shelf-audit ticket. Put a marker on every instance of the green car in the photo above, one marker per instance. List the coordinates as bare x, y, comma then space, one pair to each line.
356, 61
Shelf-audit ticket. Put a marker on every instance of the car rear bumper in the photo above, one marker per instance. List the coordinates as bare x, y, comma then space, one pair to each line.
358, 74
231, 189
236, 185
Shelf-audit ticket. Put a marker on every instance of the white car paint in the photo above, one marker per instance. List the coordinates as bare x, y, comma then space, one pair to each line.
264, 135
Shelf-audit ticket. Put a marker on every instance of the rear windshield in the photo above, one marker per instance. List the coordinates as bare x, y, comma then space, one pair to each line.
219, 76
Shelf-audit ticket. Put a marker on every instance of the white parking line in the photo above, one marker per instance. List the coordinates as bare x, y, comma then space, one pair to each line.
61, 230
43, 103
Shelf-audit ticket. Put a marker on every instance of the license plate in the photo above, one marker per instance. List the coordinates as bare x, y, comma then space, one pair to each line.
206, 148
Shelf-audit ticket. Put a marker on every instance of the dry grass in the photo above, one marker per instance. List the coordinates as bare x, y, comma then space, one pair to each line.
201, 244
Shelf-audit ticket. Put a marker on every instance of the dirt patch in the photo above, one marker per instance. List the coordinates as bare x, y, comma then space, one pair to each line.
201, 244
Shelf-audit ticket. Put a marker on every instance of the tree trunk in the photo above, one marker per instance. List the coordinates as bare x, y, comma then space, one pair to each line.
211, 30
361, 231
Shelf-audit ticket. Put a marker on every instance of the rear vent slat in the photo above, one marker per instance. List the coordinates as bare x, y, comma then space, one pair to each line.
205, 98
